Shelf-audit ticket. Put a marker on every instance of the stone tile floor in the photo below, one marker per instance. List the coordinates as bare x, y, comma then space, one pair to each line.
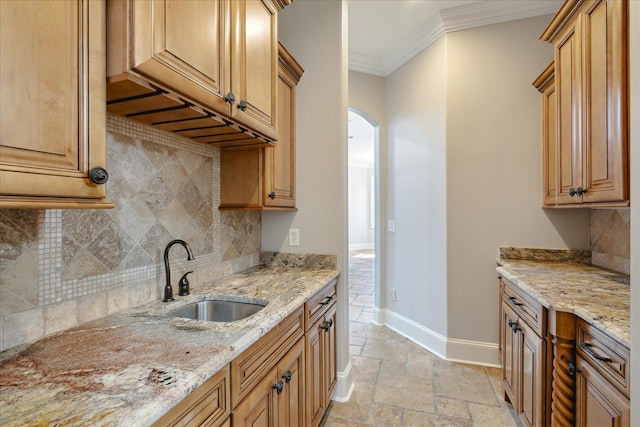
399, 383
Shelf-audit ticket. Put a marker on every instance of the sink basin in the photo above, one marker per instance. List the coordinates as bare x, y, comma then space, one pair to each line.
217, 310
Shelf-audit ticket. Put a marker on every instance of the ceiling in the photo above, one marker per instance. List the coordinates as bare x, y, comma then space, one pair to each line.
384, 34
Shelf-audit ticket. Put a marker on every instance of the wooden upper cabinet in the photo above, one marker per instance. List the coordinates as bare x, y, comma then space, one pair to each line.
254, 64
265, 178
181, 45
204, 69
545, 84
52, 114
591, 75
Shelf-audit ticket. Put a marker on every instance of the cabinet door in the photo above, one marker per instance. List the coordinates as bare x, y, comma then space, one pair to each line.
254, 55
280, 161
52, 100
568, 74
183, 46
329, 347
532, 384
598, 403
605, 102
549, 145
291, 400
314, 375
510, 358
260, 407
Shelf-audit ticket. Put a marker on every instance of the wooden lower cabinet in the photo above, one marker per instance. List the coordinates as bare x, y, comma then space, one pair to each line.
525, 356
598, 402
321, 365
279, 398
208, 405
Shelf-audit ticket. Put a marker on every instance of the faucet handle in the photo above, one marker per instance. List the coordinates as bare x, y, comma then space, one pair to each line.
183, 285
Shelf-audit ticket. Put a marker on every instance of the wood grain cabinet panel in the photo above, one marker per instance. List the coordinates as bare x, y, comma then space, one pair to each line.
598, 402
591, 86
545, 84
265, 178
204, 69
52, 100
525, 361
321, 373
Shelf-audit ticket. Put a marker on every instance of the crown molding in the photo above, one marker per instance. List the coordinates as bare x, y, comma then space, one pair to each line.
452, 19
366, 64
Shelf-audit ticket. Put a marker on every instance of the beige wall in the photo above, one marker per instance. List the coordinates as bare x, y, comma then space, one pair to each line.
417, 185
62, 268
494, 164
313, 33
367, 98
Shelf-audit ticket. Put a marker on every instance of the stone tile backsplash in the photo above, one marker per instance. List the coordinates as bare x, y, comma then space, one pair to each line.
61, 268
609, 237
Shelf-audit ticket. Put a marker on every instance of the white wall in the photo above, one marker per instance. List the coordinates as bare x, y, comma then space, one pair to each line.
360, 230
494, 167
417, 199
313, 32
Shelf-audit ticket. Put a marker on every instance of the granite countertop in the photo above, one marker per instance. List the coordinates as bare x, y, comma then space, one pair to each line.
132, 367
601, 297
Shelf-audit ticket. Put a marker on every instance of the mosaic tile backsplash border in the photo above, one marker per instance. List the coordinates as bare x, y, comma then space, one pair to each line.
60, 268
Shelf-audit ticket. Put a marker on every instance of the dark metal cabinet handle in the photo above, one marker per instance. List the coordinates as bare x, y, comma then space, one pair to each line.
326, 301
572, 192
99, 175
587, 349
513, 325
230, 98
514, 302
572, 370
278, 387
272, 195
243, 105
325, 326
580, 191
287, 377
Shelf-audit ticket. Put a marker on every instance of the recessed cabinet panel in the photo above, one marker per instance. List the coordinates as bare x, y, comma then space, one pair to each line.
254, 70
605, 103
569, 97
52, 104
182, 46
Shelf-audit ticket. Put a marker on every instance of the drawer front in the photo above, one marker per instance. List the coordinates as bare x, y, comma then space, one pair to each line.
526, 307
208, 405
610, 358
318, 304
255, 362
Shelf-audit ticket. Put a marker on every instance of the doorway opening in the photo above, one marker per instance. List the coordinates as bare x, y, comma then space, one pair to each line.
363, 215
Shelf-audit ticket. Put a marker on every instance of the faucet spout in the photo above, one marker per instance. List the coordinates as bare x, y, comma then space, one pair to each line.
168, 290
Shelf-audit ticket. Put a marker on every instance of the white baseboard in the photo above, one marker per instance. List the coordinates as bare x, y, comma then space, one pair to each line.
455, 350
358, 246
344, 385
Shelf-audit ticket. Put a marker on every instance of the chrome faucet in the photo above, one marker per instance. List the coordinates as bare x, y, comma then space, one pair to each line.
168, 290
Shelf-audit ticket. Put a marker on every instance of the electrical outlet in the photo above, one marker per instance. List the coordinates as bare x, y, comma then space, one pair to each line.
393, 294
294, 237
391, 226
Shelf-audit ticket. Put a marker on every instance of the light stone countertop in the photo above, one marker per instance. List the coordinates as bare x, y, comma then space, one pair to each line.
600, 297
130, 368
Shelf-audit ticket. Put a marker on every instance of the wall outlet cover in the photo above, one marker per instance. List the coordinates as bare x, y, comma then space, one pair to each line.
294, 237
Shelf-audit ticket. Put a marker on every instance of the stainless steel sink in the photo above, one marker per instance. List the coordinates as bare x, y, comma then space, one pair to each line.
217, 310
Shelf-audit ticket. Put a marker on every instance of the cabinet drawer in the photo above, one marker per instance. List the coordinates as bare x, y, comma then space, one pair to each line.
318, 304
526, 307
208, 405
610, 358
255, 362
